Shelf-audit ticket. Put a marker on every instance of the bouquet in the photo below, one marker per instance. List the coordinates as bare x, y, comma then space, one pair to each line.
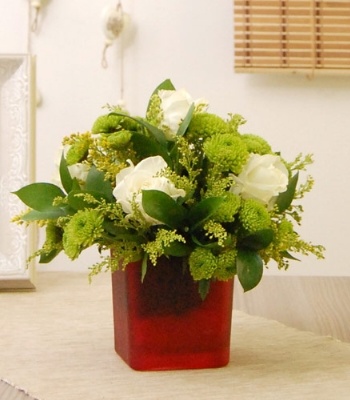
178, 182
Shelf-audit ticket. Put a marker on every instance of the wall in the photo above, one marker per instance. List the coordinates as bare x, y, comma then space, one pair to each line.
191, 43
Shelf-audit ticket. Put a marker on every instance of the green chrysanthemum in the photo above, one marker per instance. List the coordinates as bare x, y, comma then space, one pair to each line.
227, 151
202, 264
82, 231
204, 125
107, 123
256, 144
228, 209
226, 266
119, 140
254, 216
78, 150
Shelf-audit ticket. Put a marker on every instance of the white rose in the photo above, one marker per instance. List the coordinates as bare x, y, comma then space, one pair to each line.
262, 178
145, 175
79, 171
175, 105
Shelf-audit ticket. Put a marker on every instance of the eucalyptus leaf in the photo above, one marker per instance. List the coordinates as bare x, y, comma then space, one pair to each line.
39, 196
284, 199
163, 208
249, 269
202, 211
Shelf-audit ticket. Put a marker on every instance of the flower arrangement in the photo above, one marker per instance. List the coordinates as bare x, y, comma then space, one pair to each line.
180, 182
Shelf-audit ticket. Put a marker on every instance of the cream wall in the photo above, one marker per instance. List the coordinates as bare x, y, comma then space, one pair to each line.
191, 43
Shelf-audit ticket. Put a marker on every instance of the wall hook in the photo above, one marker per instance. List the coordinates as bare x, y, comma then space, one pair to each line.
112, 25
36, 6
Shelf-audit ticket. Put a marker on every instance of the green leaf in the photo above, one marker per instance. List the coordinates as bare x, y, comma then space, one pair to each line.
66, 179
249, 269
165, 85
45, 258
96, 183
177, 249
258, 240
157, 133
204, 242
203, 288
144, 266
286, 254
163, 208
146, 147
184, 124
284, 199
203, 211
39, 196
52, 213
120, 234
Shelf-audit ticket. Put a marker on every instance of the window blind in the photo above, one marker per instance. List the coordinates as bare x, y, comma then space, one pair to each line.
293, 35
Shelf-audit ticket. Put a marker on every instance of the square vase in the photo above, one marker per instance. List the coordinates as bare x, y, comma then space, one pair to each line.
163, 324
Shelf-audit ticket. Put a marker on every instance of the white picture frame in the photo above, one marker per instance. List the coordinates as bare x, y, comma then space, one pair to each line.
17, 163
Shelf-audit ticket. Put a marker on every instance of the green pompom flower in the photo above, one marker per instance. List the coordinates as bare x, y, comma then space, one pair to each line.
82, 231
226, 266
205, 125
107, 123
256, 144
202, 264
78, 151
228, 209
227, 151
119, 140
254, 216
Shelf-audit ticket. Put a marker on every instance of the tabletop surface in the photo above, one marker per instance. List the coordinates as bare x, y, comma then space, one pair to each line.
57, 344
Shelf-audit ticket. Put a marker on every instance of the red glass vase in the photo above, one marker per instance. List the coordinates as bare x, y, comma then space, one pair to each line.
163, 324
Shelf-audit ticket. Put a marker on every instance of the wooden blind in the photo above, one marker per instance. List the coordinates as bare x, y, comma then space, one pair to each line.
293, 35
